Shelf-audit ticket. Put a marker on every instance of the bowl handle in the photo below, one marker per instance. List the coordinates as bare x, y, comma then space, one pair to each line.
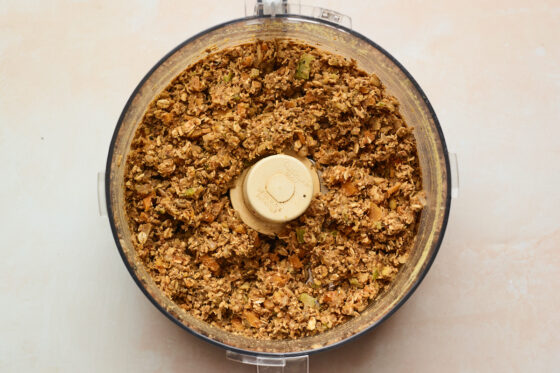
266, 364
101, 201
274, 7
454, 168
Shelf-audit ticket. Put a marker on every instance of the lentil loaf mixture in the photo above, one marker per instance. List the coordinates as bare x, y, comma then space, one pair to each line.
224, 113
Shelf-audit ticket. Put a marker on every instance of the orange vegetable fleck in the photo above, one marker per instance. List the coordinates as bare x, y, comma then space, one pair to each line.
247, 61
349, 188
167, 118
268, 304
211, 263
279, 279
375, 212
393, 189
295, 262
252, 318
237, 324
242, 110
369, 136
147, 203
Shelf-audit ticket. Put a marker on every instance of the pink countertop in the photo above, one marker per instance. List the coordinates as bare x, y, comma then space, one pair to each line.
490, 302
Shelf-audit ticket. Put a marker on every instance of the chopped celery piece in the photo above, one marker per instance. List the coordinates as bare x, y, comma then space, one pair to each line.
304, 66
189, 192
299, 235
308, 300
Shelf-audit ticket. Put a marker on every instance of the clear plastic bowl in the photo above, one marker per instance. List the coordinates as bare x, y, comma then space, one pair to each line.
414, 107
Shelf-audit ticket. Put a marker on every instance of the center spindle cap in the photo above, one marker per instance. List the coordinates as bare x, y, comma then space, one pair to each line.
278, 188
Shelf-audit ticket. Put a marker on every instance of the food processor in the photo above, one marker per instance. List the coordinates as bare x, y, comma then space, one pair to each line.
331, 31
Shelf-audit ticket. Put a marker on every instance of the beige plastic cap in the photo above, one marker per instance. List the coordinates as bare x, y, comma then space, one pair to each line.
278, 188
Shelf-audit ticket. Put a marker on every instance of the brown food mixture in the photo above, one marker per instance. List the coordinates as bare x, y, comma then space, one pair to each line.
233, 108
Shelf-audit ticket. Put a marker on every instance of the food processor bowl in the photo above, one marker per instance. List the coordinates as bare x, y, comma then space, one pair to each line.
414, 107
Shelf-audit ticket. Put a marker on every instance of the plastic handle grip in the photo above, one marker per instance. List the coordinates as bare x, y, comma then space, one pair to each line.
274, 7
454, 168
101, 201
264, 364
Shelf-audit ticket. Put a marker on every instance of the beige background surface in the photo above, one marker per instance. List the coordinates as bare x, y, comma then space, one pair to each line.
490, 303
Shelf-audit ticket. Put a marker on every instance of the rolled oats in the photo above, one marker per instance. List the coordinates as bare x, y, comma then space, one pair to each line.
229, 110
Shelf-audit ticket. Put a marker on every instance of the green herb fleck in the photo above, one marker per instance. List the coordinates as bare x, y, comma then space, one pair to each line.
303, 67
227, 78
299, 235
375, 275
316, 284
189, 192
308, 300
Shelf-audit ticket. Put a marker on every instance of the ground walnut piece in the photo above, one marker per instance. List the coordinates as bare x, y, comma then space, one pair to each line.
224, 113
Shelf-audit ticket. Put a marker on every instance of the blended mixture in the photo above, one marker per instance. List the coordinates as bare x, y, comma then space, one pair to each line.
223, 114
